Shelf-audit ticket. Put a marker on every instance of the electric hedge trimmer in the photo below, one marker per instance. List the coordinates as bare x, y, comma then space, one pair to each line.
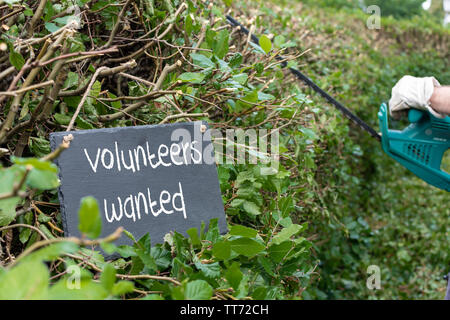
420, 147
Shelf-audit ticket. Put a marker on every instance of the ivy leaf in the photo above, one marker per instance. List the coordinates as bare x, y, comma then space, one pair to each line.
198, 290
246, 247
265, 43
89, 214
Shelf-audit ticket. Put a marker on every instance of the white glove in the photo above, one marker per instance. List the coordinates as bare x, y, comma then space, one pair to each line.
412, 92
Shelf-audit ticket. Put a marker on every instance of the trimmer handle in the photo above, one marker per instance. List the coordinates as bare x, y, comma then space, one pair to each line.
420, 147
415, 115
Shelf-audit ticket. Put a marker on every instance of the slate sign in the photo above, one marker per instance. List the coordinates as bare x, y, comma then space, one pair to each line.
147, 179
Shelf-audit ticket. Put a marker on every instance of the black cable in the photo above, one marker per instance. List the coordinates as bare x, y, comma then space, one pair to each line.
347, 113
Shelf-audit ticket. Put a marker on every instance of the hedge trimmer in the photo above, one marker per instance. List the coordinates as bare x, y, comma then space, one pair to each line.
420, 147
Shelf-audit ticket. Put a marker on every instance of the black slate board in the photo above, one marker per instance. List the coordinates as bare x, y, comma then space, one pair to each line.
199, 182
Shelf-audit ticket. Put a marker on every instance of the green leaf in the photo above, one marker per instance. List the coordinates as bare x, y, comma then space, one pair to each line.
278, 41
193, 233
246, 247
194, 77
143, 250
42, 179
122, 287
198, 290
286, 233
241, 78
62, 118
52, 251
202, 61
126, 251
220, 46
222, 250
51, 27
238, 230
251, 208
265, 43
27, 281
234, 275
260, 293
71, 80
83, 124
210, 270
36, 163
278, 251
87, 290
147, 259
89, 215
188, 26
16, 59
8, 178
267, 265
162, 257
213, 233
235, 60
108, 277
39, 146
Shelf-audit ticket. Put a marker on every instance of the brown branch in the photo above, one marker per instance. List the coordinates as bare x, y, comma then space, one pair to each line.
167, 69
37, 15
117, 25
87, 54
128, 65
46, 52
22, 90
183, 115
81, 242
6, 16
22, 225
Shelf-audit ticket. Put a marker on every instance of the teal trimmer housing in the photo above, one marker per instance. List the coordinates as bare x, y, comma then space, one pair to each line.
420, 147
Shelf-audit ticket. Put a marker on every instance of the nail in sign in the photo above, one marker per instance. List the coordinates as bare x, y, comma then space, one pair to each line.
147, 179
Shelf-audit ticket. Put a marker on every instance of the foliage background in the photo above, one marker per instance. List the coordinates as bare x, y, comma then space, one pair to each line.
337, 205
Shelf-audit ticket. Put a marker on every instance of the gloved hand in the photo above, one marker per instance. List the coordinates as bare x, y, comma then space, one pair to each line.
412, 92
